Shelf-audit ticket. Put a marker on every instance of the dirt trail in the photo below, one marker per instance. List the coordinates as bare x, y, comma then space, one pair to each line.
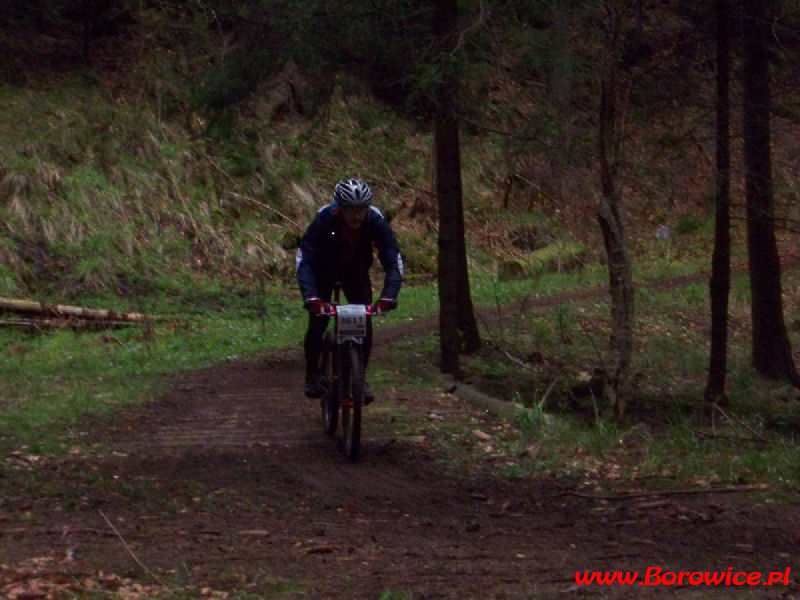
228, 482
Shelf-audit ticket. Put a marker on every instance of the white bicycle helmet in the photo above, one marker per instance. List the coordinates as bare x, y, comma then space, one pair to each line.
352, 192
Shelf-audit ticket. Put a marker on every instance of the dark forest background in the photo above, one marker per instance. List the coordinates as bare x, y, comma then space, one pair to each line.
161, 148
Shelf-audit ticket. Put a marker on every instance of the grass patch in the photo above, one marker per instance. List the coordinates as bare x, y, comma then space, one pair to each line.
50, 382
543, 357
534, 353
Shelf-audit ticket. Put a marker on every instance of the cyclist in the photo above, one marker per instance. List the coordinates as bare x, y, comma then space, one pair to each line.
338, 246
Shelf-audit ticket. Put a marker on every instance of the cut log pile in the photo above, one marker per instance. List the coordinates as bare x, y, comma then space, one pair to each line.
44, 315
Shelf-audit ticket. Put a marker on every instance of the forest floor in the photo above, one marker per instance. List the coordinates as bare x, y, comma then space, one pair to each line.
227, 487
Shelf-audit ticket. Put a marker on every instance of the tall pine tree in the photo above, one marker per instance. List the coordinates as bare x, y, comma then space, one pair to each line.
772, 352
458, 328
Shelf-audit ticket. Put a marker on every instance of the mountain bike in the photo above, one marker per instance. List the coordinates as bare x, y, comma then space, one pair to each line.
342, 370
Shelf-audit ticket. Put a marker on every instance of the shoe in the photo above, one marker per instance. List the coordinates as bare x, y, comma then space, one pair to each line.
314, 387
368, 395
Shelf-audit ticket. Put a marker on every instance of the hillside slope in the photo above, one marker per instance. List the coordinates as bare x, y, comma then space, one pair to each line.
162, 148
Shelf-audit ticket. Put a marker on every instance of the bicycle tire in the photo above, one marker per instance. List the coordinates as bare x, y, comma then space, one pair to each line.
351, 409
330, 399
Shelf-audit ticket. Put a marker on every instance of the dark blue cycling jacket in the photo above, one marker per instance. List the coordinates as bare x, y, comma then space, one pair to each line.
325, 255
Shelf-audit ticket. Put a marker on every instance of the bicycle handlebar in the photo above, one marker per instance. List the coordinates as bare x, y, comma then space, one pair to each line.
330, 309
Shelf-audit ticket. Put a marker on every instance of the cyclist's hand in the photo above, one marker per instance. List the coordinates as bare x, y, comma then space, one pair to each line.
386, 304
316, 306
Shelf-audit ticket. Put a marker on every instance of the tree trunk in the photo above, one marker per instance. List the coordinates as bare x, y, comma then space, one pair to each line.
561, 73
560, 77
772, 353
720, 284
458, 328
611, 223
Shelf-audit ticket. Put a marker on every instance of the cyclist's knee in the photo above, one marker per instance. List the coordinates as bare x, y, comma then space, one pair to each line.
317, 325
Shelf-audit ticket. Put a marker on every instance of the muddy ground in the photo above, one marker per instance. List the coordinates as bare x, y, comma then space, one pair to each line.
228, 484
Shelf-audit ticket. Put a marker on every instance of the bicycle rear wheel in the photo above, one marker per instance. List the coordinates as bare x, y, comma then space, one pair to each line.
330, 399
353, 400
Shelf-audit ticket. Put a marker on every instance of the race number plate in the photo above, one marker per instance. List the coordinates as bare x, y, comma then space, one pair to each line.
351, 321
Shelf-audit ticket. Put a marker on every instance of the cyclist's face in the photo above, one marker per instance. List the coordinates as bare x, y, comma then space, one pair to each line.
353, 216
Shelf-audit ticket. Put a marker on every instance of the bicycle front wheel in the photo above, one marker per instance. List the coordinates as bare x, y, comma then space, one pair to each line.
354, 400
330, 399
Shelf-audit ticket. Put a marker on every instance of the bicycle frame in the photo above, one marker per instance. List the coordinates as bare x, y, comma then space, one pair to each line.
343, 371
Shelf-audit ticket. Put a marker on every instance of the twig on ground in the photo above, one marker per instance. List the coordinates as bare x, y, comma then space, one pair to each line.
230, 178
269, 208
594, 406
136, 558
740, 422
547, 393
516, 361
679, 492
729, 438
589, 335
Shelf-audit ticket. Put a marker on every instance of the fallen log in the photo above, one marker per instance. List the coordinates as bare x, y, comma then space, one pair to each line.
45, 309
48, 324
